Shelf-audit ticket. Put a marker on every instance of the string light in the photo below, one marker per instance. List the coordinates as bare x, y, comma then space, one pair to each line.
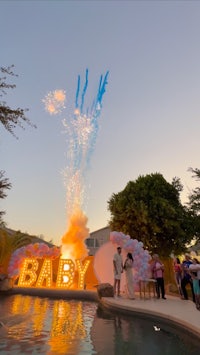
81, 272
66, 268
28, 274
45, 274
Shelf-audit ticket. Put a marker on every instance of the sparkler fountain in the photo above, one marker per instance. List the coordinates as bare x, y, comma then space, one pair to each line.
82, 132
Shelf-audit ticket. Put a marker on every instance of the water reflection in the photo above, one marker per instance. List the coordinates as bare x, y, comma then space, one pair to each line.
46, 326
49, 326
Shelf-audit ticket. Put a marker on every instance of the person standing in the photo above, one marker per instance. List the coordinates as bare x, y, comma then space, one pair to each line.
158, 272
187, 279
194, 270
178, 274
118, 269
128, 265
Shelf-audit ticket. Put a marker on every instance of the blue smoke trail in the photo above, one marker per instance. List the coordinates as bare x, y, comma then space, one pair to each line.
84, 90
77, 92
85, 127
96, 111
97, 103
102, 88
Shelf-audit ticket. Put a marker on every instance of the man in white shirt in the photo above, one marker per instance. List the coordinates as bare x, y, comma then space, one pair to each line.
118, 269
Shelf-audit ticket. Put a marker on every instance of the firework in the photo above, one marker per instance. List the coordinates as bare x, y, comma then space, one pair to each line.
54, 101
81, 130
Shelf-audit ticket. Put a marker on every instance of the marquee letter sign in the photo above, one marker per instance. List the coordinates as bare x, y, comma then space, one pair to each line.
65, 275
28, 274
45, 274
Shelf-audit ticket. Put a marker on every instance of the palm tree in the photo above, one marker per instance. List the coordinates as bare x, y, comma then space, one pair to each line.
9, 242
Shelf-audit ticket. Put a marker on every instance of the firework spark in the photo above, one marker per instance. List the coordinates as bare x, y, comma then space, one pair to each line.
81, 131
54, 101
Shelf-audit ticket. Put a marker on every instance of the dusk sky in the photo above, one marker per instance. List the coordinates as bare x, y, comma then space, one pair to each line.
150, 118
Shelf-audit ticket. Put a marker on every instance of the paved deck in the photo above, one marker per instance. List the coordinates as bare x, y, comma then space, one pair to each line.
173, 309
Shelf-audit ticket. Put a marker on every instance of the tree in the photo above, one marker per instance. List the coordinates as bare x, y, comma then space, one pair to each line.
149, 209
4, 185
10, 119
9, 242
194, 203
194, 197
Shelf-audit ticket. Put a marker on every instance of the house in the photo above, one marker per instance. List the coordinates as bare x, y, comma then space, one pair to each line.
97, 239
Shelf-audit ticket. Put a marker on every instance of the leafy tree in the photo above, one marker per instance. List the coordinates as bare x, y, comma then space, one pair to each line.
194, 203
4, 185
194, 197
10, 119
149, 209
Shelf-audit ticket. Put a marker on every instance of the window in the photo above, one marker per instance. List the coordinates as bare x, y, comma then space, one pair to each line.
90, 242
97, 243
101, 241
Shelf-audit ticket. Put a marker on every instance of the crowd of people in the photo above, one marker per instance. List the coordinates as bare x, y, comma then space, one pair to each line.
186, 273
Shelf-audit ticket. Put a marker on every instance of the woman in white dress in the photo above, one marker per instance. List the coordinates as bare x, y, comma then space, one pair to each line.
128, 265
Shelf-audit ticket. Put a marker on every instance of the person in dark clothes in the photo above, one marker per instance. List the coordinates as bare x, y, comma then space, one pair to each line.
187, 279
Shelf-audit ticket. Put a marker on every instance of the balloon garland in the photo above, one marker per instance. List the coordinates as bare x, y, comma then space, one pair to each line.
37, 250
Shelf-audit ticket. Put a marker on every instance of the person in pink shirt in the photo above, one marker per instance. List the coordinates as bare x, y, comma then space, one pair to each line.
157, 273
178, 273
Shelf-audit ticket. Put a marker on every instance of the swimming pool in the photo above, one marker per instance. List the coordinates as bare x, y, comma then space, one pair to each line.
35, 325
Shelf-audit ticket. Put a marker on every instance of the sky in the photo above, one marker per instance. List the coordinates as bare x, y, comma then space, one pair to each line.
150, 117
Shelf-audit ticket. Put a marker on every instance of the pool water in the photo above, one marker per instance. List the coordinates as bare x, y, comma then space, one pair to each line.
33, 325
